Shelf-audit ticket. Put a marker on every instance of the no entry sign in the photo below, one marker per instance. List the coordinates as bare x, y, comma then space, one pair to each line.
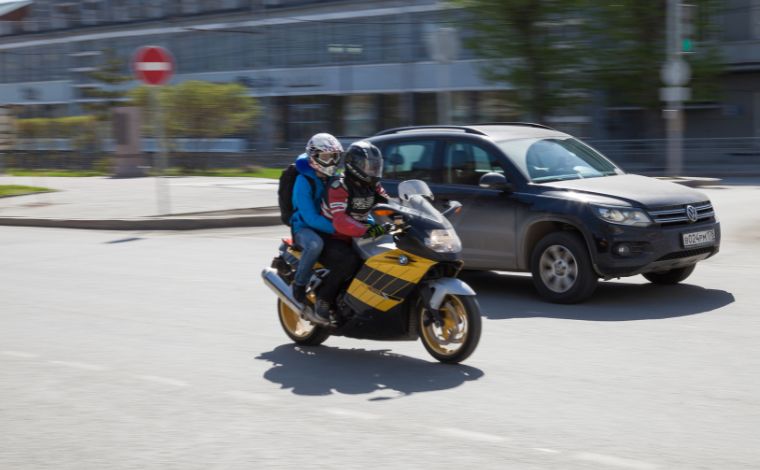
153, 65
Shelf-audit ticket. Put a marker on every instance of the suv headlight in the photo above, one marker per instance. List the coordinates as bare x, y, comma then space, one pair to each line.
443, 241
622, 216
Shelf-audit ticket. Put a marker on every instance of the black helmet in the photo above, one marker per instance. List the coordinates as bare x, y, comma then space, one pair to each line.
364, 163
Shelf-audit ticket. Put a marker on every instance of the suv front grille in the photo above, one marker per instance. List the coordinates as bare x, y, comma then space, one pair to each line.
676, 215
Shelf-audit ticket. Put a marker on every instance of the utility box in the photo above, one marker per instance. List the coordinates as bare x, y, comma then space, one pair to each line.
130, 162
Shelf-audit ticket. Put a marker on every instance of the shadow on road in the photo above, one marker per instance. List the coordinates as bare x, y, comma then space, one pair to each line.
503, 296
323, 370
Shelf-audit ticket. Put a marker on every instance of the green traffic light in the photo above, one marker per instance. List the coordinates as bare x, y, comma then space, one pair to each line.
687, 45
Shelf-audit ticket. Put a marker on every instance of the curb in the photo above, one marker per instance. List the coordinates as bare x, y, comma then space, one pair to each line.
148, 223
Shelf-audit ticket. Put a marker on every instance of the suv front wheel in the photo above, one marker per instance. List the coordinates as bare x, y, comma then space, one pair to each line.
561, 268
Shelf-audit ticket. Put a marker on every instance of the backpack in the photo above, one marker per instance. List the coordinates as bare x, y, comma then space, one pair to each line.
285, 192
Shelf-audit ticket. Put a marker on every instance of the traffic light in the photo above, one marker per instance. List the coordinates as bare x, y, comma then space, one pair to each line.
687, 30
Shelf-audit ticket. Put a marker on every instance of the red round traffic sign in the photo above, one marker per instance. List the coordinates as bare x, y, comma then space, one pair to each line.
153, 65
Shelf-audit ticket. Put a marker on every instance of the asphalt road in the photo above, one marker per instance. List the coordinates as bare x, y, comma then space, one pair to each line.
163, 350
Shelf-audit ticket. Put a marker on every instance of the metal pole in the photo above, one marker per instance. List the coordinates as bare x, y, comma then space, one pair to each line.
673, 112
163, 199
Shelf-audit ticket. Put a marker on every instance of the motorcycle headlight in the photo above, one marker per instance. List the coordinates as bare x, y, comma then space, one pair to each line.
623, 216
443, 241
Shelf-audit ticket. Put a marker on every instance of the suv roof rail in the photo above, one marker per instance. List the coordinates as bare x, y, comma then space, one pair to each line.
396, 130
527, 124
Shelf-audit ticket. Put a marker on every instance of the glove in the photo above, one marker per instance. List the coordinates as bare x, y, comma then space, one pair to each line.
375, 231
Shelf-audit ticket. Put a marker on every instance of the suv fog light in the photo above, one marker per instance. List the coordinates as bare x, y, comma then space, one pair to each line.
623, 249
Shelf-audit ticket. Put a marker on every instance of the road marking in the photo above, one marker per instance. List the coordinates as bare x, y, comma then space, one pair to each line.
78, 365
21, 354
162, 380
472, 435
351, 413
611, 460
545, 450
249, 396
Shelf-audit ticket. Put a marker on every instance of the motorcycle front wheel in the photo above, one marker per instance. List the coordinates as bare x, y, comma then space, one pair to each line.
458, 334
301, 331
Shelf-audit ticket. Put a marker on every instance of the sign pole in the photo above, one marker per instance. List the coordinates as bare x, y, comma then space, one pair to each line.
154, 66
675, 74
163, 197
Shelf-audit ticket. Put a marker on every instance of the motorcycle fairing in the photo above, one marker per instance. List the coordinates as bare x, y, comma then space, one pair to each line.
385, 280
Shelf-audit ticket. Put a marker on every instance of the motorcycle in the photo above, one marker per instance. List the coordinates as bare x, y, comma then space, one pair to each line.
406, 289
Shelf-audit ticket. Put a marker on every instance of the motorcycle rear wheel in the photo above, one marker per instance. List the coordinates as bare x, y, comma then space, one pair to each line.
301, 331
458, 336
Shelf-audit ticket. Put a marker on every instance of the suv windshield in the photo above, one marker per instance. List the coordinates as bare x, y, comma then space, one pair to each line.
556, 158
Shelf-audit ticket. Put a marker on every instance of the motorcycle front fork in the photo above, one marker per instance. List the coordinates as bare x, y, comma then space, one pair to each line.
431, 315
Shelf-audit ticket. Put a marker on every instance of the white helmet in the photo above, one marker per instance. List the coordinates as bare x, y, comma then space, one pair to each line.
324, 153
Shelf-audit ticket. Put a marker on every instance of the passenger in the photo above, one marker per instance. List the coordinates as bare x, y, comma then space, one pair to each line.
315, 167
350, 198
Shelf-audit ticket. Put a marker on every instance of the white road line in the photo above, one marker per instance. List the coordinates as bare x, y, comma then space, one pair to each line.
613, 461
351, 413
21, 354
472, 435
545, 450
162, 380
249, 396
78, 365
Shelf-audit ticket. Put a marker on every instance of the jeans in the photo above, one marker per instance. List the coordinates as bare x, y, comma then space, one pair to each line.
311, 244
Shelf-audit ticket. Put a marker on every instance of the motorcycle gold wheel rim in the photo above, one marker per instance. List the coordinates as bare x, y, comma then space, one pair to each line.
293, 322
450, 337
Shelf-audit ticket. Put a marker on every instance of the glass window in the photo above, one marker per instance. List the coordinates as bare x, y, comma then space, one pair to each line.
411, 159
359, 117
466, 162
557, 158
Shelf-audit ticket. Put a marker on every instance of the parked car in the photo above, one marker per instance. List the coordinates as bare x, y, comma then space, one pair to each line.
538, 200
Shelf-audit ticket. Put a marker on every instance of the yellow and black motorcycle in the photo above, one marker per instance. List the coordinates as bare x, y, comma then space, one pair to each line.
406, 289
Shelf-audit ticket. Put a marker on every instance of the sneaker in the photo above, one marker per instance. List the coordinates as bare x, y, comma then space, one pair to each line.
299, 293
320, 314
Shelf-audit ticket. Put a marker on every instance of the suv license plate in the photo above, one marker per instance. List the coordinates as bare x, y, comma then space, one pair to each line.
705, 237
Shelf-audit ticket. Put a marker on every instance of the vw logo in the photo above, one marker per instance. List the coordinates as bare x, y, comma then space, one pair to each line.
691, 213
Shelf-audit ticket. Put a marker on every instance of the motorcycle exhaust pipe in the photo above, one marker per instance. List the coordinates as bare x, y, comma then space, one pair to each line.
279, 287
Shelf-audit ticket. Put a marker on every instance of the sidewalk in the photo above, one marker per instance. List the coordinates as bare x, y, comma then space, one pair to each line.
131, 204
195, 202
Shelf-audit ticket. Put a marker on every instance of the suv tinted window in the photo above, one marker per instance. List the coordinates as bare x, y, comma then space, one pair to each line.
410, 159
466, 162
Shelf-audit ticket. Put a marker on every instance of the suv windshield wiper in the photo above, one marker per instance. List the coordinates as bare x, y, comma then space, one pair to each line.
549, 179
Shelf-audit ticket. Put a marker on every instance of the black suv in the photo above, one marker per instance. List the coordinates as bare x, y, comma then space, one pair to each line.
536, 199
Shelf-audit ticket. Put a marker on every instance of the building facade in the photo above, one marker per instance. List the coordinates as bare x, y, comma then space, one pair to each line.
314, 65
347, 67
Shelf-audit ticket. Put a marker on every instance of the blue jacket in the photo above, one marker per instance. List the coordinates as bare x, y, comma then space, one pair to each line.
307, 207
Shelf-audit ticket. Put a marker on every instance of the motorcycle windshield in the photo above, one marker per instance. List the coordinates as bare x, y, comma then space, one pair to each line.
419, 206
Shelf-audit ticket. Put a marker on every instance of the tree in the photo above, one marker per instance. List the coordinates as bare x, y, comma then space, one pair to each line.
629, 49
531, 45
108, 76
200, 109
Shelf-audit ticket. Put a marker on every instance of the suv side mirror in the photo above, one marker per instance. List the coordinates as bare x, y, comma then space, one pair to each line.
495, 181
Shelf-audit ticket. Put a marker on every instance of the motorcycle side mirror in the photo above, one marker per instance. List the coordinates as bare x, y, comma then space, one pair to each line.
495, 181
452, 208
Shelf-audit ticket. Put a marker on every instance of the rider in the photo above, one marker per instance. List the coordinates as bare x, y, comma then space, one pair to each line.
349, 200
315, 167
353, 194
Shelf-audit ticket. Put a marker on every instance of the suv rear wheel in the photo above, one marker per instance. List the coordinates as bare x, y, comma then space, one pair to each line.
672, 276
561, 268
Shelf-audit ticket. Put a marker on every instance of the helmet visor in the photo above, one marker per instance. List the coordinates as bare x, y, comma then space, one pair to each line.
372, 166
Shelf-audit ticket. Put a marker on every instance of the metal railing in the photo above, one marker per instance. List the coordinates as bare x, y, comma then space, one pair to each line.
708, 156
